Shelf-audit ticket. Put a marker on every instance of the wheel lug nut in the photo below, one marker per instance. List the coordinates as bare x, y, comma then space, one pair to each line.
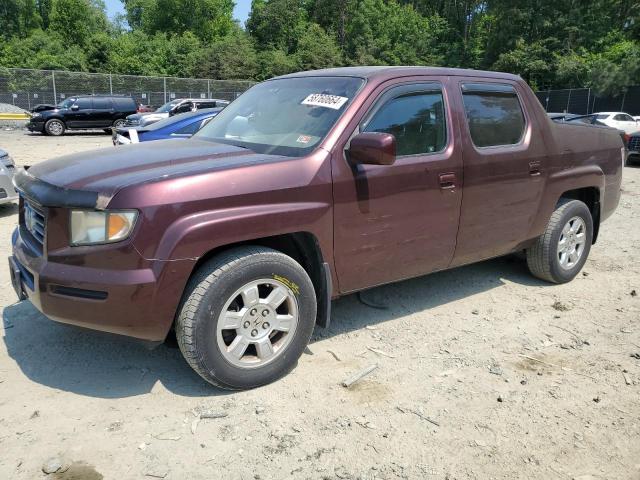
254, 332
253, 311
265, 325
246, 324
265, 313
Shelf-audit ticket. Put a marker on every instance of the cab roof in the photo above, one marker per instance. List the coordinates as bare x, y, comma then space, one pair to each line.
385, 72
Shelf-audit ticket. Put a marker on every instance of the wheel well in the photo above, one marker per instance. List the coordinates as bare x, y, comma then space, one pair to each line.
590, 196
304, 248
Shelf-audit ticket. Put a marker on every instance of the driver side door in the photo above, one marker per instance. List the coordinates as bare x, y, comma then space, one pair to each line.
399, 221
79, 114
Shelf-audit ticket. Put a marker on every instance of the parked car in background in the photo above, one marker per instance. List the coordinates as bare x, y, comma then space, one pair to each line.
179, 126
633, 145
308, 187
174, 107
620, 120
142, 108
7, 170
83, 112
589, 119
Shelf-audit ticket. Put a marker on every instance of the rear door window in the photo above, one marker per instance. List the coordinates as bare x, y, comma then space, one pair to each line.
494, 114
102, 104
84, 103
415, 116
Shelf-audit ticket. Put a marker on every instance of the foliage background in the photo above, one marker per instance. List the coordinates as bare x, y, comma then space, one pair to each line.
551, 43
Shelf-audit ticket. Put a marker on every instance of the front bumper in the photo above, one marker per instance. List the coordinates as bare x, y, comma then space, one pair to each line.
115, 301
35, 126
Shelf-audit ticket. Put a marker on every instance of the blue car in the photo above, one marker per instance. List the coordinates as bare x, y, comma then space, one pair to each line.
179, 126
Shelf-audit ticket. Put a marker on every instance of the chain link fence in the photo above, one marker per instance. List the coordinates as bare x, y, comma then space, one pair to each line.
26, 88
584, 101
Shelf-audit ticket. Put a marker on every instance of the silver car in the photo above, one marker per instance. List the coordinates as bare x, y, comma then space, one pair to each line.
7, 170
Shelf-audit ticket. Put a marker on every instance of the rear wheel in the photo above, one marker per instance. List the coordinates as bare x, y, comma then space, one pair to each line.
246, 317
54, 127
561, 252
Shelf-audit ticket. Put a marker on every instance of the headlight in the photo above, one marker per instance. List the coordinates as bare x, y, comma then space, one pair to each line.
90, 227
34, 115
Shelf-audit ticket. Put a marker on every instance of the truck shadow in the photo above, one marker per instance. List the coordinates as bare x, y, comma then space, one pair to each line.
106, 366
423, 293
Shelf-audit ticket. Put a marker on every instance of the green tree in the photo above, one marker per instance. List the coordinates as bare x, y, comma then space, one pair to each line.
206, 19
76, 20
18, 18
316, 49
231, 57
274, 62
277, 23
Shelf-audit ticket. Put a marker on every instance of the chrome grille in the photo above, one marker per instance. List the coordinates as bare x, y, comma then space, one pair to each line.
35, 221
634, 143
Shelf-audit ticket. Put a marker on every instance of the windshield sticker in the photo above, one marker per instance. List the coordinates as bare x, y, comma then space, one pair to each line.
323, 100
303, 139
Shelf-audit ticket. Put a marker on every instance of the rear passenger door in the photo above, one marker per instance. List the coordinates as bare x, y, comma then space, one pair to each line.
398, 221
504, 168
102, 112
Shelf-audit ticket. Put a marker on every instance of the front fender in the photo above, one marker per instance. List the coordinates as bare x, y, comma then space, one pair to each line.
193, 236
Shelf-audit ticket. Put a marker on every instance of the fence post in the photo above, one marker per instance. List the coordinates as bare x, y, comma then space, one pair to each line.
55, 94
110, 85
165, 89
588, 100
624, 95
568, 100
208, 89
547, 103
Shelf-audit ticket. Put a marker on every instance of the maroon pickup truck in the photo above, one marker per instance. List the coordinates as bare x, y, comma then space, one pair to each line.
307, 187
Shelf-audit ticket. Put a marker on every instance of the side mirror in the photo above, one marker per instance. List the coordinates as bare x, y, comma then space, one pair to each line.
373, 148
75, 108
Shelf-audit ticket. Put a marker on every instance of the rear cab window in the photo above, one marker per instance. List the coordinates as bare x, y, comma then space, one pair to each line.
414, 114
494, 114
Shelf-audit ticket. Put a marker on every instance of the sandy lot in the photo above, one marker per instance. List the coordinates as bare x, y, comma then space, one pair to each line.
484, 372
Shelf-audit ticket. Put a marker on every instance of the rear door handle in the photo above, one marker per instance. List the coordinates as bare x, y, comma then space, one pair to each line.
534, 168
447, 181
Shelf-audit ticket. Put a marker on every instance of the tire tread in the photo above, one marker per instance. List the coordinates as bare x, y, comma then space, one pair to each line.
200, 282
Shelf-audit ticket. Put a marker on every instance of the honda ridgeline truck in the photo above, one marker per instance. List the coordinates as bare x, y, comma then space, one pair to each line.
308, 187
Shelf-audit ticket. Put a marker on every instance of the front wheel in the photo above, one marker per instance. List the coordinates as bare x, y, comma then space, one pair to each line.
561, 252
54, 127
121, 122
246, 317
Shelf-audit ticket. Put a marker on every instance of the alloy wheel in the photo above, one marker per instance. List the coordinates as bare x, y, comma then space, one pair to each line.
257, 323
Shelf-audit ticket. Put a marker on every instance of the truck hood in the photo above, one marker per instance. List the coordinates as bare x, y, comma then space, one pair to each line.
91, 179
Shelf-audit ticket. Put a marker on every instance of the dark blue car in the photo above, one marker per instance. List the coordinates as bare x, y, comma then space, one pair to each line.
179, 126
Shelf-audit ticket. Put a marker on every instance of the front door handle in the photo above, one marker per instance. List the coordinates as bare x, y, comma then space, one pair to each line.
447, 181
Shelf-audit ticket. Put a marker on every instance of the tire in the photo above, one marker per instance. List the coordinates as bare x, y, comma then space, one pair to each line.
550, 261
119, 123
54, 127
217, 287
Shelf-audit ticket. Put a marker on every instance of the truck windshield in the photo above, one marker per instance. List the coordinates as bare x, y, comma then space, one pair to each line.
288, 116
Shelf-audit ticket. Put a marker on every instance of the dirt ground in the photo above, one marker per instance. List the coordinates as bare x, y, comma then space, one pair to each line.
483, 373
